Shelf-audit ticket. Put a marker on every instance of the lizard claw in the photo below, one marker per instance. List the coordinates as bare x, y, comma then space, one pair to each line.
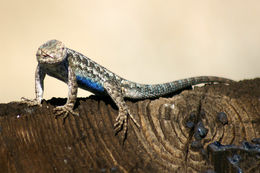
64, 111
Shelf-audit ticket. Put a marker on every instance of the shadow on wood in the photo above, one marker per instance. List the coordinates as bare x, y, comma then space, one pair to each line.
184, 133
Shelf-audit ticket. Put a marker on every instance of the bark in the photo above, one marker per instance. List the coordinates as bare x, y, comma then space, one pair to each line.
214, 128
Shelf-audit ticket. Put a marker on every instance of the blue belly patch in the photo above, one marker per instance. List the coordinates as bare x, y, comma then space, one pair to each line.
89, 83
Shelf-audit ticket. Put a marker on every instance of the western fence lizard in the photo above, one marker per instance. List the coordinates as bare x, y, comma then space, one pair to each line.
78, 70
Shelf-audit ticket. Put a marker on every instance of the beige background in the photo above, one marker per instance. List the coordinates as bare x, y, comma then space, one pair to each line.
147, 41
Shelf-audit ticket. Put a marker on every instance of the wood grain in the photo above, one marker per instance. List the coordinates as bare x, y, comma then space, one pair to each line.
175, 134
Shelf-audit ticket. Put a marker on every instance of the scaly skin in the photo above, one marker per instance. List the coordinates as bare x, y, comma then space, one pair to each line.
77, 70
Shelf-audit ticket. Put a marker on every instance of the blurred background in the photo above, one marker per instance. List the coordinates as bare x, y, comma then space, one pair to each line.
147, 41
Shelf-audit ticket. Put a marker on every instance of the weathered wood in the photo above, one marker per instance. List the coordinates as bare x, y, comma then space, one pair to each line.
175, 134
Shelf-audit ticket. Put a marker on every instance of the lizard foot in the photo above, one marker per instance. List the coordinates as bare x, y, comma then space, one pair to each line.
30, 102
122, 122
64, 111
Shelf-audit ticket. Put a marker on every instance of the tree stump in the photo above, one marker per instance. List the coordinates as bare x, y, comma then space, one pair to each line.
214, 128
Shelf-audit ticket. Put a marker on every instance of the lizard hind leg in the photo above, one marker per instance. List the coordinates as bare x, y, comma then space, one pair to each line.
116, 94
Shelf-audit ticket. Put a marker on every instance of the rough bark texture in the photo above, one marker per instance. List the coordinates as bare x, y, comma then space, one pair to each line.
177, 134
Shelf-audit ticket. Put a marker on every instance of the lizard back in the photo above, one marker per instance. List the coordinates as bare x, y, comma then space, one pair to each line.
91, 76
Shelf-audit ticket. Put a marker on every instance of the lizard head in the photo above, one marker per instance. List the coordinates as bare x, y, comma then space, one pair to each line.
51, 52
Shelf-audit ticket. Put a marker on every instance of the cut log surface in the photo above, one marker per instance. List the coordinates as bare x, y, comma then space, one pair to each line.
213, 128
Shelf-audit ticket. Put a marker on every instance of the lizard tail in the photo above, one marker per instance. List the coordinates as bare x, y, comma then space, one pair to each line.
141, 91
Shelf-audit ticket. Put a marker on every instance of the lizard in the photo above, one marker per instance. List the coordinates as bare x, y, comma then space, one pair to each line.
79, 71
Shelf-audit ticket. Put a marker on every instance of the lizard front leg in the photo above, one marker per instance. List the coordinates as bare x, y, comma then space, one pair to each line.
39, 88
72, 96
115, 92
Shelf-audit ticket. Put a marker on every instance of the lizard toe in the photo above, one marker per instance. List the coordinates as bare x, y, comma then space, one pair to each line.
118, 126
